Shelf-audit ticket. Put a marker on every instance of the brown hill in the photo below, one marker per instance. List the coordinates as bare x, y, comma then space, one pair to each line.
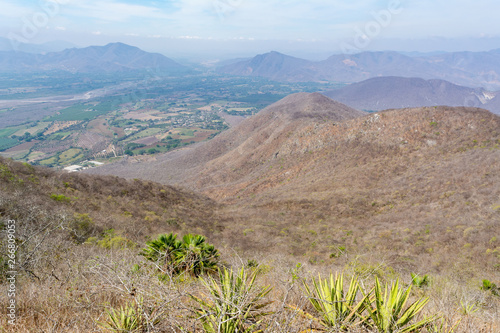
73, 207
383, 178
240, 149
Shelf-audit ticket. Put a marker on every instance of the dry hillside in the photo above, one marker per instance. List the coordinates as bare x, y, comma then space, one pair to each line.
308, 180
302, 178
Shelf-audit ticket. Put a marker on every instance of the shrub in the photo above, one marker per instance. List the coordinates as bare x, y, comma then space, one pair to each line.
110, 240
60, 198
191, 254
81, 227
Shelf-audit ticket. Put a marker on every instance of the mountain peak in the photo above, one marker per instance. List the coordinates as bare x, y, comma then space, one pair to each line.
113, 57
312, 105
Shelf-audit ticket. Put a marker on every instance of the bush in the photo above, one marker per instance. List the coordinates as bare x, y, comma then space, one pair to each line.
81, 227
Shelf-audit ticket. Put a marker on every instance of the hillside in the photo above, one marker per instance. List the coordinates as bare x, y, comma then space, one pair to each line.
493, 105
306, 186
114, 57
87, 206
385, 172
473, 69
392, 92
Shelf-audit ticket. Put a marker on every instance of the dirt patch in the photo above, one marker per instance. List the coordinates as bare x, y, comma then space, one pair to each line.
57, 126
21, 147
141, 115
147, 141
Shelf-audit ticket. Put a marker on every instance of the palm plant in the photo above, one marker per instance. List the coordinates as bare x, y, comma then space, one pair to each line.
420, 281
387, 311
231, 305
338, 308
192, 254
196, 255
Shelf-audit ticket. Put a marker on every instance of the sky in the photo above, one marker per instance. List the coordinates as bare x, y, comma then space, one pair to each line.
206, 29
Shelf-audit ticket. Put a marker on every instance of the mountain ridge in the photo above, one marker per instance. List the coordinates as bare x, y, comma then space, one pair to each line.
394, 92
474, 69
113, 57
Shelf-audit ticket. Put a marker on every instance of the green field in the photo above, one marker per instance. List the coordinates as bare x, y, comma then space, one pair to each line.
145, 133
32, 130
6, 143
49, 161
69, 156
84, 111
8, 131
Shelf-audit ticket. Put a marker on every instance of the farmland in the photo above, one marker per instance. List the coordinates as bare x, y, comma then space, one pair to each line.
67, 122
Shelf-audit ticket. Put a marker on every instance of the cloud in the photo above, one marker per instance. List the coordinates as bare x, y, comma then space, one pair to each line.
114, 11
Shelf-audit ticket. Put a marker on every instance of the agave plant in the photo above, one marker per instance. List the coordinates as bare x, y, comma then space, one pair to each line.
338, 308
192, 254
388, 312
131, 318
232, 304
126, 319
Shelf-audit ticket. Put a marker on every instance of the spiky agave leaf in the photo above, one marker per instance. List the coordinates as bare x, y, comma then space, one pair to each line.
387, 311
231, 304
337, 307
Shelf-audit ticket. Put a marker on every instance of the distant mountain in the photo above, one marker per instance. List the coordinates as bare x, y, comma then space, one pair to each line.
54, 46
115, 57
273, 65
474, 69
493, 105
392, 92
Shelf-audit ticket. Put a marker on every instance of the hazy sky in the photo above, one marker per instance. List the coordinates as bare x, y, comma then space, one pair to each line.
245, 27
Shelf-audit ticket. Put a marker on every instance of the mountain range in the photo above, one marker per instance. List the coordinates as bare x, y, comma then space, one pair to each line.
392, 92
54, 46
474, 69
114, 57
